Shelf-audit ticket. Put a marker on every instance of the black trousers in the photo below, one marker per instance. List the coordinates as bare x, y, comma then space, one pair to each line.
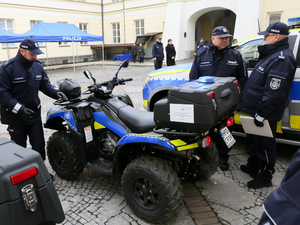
19, 133
133, 58
141, 60
262, 153
158, 64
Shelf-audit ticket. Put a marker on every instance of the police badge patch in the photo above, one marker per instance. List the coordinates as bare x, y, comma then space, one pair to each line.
275, 83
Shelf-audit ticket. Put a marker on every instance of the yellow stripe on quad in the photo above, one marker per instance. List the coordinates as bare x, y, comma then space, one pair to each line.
181, 145
295, 122
98, 126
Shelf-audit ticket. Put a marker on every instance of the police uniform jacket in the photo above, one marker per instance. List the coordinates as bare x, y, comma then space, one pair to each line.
283, 204
267, 90
228, 62
20, 81
158, 51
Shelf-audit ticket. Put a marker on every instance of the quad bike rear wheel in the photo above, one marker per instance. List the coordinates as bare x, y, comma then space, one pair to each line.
152, 189
62, 156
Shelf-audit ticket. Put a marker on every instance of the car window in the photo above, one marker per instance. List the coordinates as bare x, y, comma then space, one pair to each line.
250, 53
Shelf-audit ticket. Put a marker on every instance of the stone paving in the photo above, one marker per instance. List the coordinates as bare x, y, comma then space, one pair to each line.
98, 199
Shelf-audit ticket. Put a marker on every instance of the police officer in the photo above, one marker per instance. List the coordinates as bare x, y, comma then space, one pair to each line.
265, 98
219, 60
158, 53
20, 80
134, 52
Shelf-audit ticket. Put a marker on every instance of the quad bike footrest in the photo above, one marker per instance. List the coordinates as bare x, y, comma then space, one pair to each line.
102, 165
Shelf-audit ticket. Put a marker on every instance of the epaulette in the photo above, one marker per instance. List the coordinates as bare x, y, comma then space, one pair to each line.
201, 50
281, 56
39, 61
8, 62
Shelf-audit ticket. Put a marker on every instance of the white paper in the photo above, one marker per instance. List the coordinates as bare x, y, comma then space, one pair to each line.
183, 113
250, 128
88, 134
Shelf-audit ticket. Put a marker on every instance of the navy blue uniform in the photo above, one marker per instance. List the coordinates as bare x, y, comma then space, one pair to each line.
228, 62
282, 206
20, 82
266, 94
158, 53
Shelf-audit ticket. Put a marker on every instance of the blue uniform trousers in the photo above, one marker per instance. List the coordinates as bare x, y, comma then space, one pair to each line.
262, 153
19, 133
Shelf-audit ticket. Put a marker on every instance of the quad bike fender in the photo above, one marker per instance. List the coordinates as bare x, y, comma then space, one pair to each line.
60, 113
150, 139
54, 120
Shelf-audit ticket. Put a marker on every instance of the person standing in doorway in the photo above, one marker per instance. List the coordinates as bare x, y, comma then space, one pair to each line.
171, 53
134, 52
141, 53
21, 78
158, 53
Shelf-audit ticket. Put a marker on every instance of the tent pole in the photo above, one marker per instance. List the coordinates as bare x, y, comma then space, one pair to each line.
73, 56
47, 55
77, 54
102, 54
8, 53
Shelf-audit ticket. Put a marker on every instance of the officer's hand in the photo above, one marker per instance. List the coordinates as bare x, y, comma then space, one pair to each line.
258, 120
60, 95
27, 114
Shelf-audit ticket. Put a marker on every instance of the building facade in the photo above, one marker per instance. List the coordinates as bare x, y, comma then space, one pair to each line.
139, 21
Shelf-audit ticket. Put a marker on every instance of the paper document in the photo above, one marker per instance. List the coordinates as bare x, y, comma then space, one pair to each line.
250, 128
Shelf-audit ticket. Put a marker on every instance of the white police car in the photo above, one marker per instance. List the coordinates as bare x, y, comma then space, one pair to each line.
160, 81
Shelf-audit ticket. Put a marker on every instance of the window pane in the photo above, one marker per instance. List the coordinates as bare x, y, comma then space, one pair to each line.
274, 17
2, 24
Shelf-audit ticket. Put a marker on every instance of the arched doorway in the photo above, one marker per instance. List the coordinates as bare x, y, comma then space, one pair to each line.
206, 22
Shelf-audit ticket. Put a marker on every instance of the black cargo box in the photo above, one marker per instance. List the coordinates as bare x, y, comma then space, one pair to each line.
27, 193
196, 106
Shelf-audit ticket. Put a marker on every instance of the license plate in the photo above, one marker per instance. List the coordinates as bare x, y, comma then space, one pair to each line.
227, 136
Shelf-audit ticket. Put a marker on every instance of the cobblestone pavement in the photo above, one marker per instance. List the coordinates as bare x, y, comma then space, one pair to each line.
98, 199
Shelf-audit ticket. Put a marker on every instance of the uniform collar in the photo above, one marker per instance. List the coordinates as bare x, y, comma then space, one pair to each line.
266, 50
23, 61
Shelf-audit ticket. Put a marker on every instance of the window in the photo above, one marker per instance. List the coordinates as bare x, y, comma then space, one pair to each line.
62, 43
274, 17
83, 27
139, 27
7, 25
114, 0
250, 53
32, 24
116, 33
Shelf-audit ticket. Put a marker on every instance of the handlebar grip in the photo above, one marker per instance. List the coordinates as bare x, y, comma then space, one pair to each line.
129, 79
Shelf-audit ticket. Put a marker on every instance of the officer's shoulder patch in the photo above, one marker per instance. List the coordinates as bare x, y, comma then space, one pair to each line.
8, 62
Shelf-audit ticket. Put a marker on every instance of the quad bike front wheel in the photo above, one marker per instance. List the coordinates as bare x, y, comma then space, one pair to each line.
152, 189
62, 156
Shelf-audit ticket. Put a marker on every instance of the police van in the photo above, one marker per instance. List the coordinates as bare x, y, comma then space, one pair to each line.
160, 81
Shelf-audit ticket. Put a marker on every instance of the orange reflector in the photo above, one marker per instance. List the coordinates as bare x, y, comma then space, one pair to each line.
212, 94
229, 122
25, 175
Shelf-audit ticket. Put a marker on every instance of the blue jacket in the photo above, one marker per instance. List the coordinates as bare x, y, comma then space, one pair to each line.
225, 63
267, 90
283, 204
158, 51
19, 87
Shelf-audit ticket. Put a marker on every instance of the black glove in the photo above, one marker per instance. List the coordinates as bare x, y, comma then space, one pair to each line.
62, 96
258, 120
27, 114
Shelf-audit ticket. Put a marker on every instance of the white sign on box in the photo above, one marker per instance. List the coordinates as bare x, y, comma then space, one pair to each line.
183, 113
